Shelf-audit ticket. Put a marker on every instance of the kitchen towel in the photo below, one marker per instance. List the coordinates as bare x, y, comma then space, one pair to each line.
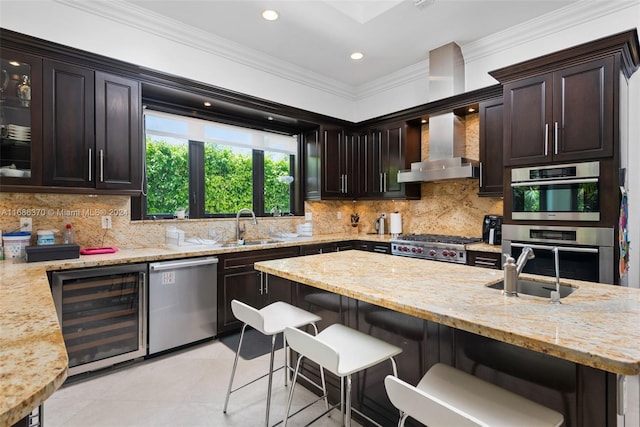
395, 224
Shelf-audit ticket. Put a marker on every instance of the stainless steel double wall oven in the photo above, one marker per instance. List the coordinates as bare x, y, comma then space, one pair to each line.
562, 206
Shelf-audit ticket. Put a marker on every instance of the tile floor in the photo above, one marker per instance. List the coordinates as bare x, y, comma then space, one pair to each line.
185, 388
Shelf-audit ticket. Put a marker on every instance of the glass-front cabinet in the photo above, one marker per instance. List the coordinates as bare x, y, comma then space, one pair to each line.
20, 118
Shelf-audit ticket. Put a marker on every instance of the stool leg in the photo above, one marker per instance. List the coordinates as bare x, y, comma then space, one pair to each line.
273, 347
233, 371
347, 415
293, 386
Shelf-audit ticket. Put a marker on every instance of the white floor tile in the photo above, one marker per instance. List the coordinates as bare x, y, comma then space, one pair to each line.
185, 388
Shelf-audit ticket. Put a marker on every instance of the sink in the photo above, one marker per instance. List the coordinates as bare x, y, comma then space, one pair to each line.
538, 289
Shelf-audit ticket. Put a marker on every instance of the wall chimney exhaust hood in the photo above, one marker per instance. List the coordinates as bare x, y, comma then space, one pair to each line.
446, 131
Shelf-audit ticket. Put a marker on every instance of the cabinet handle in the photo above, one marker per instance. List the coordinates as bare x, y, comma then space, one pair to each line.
555, 135
385, 181
381, 188
546, 139
261, 274
101, 165
346, 183
480, 174
90, 169
266, 284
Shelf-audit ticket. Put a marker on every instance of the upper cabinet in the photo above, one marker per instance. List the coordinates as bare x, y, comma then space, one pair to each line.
563, 107
562, 116
491, 147
20, 118
330, 164
91, 129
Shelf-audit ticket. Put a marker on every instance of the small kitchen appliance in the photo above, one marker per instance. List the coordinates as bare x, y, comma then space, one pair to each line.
432, 247
379, 224
492, 229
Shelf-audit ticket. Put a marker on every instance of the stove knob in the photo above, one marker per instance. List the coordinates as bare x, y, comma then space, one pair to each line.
445, 253
419, 250
414, 250
453, 254
404, 249
432, 252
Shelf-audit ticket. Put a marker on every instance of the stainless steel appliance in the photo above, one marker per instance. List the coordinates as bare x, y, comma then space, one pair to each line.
102, 313
492, 229
432, 246
585, 253
566, 192
182, 302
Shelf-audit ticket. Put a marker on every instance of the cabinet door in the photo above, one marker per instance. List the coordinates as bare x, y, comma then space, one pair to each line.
312, 158
275, 288
376, 169
243, 286
392, 159
21, 106
527, 117
118, 143
333, 163
362, 158
68, 125
583, 111
491, 142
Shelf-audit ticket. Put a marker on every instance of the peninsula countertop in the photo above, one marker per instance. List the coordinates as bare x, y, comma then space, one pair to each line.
598, 325
33, 357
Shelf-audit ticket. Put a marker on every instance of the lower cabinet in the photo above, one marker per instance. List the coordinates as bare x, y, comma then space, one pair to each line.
237, 279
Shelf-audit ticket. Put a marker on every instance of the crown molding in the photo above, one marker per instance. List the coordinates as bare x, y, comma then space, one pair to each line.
542, 26
176, 31
410, 74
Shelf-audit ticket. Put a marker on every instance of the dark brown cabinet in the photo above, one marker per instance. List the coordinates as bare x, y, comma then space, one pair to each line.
565, 115
339, 168
389, 150
237, 279
91, 129
491, 143
21, 118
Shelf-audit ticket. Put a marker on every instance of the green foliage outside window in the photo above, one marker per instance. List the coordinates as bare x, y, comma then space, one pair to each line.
228, 178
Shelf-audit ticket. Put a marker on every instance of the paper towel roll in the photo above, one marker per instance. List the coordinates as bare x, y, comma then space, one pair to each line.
395, 223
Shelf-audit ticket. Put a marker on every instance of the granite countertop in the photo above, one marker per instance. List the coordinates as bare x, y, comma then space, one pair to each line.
597, 325
33, 358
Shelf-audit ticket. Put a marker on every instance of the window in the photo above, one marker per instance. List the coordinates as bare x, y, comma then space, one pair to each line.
213, 169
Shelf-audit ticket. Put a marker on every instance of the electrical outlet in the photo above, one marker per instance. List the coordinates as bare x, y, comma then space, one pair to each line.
383, 215
26, 224
106, 222
308, 216
339, 215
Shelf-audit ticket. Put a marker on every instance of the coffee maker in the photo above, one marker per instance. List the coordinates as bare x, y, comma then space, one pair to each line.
492, 229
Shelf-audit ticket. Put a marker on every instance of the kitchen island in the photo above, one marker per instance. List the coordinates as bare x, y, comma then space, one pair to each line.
595, 328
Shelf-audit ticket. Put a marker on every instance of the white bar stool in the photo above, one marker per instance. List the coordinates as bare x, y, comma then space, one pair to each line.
270, 320
446, 397
343, 351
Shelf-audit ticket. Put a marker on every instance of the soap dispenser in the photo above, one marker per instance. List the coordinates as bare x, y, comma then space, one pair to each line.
510, 276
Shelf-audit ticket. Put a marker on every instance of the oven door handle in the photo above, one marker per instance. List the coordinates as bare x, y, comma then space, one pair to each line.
554, 182
560, 248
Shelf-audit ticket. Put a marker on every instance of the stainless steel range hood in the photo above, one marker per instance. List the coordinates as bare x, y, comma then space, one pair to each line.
446, 131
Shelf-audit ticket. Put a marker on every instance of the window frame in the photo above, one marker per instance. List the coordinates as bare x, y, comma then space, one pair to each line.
196, 209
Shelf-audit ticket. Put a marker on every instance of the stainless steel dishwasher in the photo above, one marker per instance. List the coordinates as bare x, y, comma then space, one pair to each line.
182, 302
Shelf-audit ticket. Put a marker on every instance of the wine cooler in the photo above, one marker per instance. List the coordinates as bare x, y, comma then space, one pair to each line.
102, 313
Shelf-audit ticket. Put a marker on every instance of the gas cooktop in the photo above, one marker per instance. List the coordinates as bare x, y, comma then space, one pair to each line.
436, 247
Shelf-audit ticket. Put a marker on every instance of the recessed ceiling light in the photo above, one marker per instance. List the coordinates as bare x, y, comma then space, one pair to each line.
270, 14
14, 63
471, 109
269, 118
357, 56
207, 104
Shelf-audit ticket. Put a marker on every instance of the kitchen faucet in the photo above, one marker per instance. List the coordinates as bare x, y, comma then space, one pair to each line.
240, 231
526, 255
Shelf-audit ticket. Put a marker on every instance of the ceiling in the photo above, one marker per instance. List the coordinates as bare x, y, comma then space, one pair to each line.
319, 35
